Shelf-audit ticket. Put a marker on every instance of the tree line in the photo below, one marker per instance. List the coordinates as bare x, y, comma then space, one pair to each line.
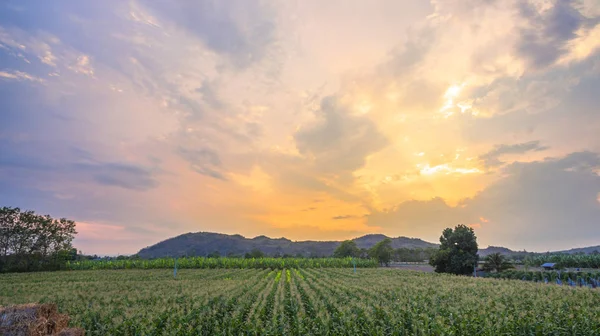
32, 242
384, 252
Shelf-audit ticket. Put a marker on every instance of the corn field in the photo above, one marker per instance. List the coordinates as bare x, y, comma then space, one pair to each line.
314, 301
574, 279
227, 263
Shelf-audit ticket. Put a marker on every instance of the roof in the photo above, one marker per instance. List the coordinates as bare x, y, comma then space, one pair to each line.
549, 265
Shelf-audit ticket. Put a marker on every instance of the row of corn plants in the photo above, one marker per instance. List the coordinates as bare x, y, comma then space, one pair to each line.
306, 301
212, 263
581, 279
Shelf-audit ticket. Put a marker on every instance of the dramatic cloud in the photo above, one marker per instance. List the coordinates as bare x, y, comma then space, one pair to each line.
311, 120
491, 158
554, 200
241, 30
339, 141
547, 32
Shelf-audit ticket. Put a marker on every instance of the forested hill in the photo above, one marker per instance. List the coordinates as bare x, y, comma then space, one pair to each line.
204, 243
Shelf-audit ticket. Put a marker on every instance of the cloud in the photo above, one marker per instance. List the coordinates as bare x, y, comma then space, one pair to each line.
122, 175
339, 141
244, 31
553, 202
344, 217
108, 102
19, 75
491, 158
204, 161
548, 32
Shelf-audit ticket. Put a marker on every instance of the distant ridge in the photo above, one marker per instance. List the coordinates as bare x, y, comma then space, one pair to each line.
586, 250
494, 249
203, 243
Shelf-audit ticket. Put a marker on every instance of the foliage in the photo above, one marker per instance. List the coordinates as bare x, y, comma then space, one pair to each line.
565, 260
413, 255
305, 302
581, 279
223, 262
458, 251
382, 252
31, 242
496, 262
255, 253
347, 248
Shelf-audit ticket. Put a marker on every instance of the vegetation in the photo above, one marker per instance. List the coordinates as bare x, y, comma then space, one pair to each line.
382, 252
403, 254
224, 262
205, 243
582, 279
347, 248
565, 260
458, 251
31, 242
496, 262
255, 253
305, 302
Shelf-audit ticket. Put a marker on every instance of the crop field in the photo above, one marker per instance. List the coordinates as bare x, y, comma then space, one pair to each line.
582, 279
202, 262
315, 301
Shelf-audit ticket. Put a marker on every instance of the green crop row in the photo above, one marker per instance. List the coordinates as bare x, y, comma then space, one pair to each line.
587, 279
227, 263
313, 301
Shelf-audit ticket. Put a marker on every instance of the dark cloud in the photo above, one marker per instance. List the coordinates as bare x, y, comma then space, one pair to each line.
209, 91
405, 59
344, 217
545, 40
120, 175
492, 158
242, 30
204, 161
553, 202
340, 141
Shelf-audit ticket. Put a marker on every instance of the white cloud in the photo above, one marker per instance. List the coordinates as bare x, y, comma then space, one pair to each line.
19, 75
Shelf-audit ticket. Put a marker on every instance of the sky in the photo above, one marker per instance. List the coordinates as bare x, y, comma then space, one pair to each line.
319, 120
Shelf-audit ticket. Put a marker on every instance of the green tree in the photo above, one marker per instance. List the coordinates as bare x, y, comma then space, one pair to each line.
347, 248
255, 253
30, 242
458, 251
496, 262
382, 251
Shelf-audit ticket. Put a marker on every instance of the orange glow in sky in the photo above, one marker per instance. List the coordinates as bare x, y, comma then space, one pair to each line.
312, 120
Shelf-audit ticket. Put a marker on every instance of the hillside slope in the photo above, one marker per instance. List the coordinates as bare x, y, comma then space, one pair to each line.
203, 243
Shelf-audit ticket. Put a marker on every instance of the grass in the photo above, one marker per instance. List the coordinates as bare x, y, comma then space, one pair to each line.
304, 302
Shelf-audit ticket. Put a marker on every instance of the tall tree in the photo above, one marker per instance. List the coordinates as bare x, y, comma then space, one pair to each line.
347, 248
458, 251
496, 262
382, 251
30, 242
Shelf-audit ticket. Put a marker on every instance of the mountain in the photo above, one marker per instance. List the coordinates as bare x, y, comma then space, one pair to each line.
586, 250
494, 249
503, 250
203, 243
